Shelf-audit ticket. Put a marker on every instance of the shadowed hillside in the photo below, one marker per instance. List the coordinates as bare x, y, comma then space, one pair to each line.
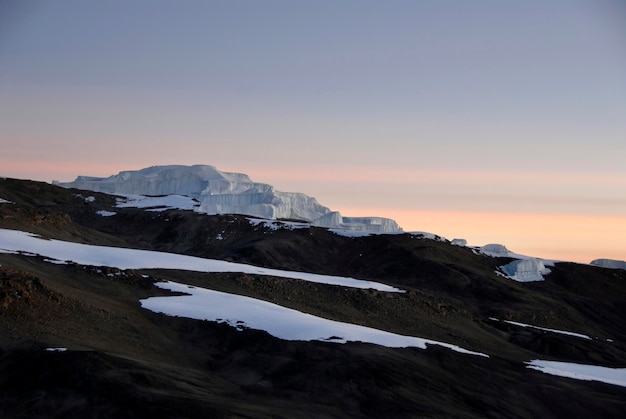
125, 361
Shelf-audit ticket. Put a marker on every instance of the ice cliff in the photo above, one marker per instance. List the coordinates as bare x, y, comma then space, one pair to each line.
370, 224
495, 250
228, 193
526, 270
609, 263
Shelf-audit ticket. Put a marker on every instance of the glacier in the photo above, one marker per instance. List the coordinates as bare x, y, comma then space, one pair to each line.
609, 263
495, 250
218, 192
335, 220
526, 270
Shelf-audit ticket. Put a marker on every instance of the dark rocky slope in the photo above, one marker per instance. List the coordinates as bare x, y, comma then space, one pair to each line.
124, 361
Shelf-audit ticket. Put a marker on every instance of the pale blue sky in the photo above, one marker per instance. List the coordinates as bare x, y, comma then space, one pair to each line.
430, 105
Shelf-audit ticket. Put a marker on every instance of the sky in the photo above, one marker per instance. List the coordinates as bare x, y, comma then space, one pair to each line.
492, 121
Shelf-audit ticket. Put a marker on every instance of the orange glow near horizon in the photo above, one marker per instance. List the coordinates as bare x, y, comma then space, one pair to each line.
575, 238
569, 232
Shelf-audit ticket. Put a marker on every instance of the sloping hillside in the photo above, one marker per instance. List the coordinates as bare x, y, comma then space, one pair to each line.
123, 360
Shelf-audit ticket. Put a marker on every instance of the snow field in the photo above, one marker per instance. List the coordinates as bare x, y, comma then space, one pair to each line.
281, 322
18, 241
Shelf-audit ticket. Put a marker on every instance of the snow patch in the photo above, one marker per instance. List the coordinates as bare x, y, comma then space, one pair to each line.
615, 376
121, 258
278, 225
284, 323
105, 213
56, 261
84, 198
157, 203
563, 332
429, 236
459, 242
4, 201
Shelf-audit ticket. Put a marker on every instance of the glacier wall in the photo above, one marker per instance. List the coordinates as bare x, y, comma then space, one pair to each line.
495, 250
228, 193
526, 270
368, 224
609, 263
166, 180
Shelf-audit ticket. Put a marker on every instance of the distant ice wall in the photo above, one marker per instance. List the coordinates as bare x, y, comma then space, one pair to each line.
228, 193
609, 263
370, 224
495, 250
166, 180
264, 203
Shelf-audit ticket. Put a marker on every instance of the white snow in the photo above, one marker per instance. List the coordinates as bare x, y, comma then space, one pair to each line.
425, 235
157, 203
609, 263
56, 349
278, 225
17, 241
459, 242
84, 198
105, 213
211, 191
55, 261
281, 322
4, 201
616, 376
525, 270
563, 332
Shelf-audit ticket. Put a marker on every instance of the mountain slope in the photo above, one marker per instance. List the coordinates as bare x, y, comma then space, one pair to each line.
173, 366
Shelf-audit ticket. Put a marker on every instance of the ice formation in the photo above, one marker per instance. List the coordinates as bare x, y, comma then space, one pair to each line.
228, 193
459, 242
526, 270
609, 263
495, 250
370, 224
